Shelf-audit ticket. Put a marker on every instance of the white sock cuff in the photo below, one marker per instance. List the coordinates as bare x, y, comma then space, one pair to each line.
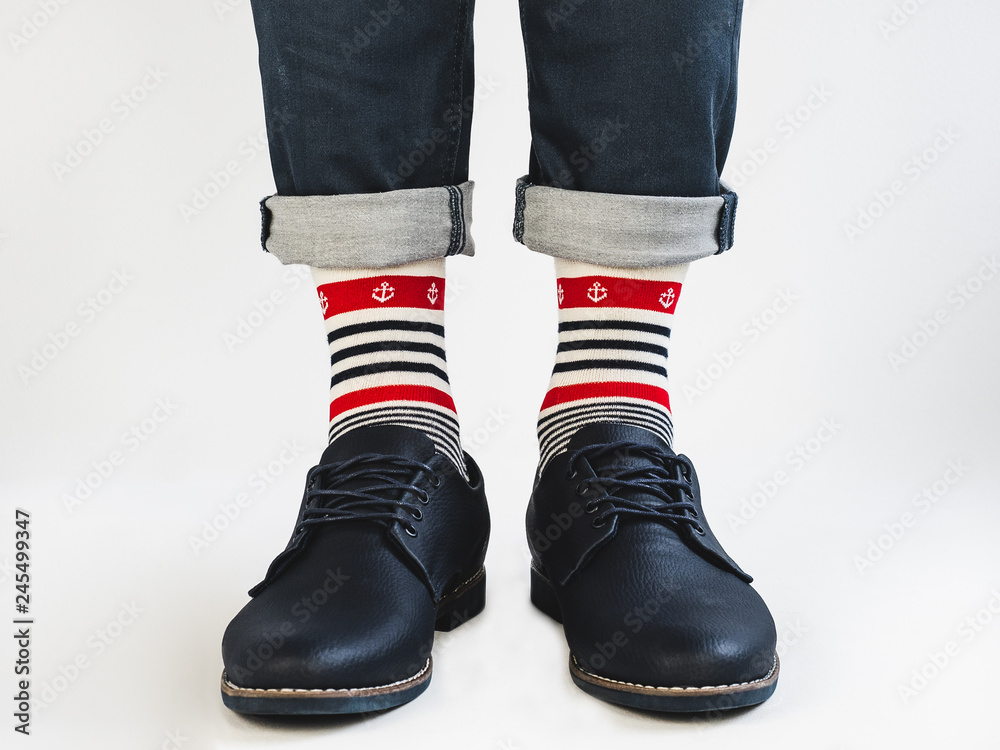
570, 269
433, 267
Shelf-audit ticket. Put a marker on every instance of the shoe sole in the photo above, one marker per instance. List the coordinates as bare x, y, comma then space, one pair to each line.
647, 697
458, 607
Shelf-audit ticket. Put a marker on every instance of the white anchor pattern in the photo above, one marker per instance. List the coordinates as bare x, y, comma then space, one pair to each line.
597, 293
383, 292
432, 293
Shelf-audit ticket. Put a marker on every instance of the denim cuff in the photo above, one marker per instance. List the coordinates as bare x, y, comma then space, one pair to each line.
368, 230
628, 231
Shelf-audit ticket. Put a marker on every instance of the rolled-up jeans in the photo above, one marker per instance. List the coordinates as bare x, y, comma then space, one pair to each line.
368, 105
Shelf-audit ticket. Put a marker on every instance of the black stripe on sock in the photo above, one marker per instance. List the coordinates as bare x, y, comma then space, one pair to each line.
556, 441
634, 346
401, 411
563, 435
442, 430
626, 408
609, 364
386, 346
385, 325
605, 413
433, 430
378, 367
618, 325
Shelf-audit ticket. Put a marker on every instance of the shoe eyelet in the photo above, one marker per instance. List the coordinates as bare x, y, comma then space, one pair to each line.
596, 525
590, 507
418, 516
699, 530
435, 481
410, 532
582, 489
571, 474
423, 498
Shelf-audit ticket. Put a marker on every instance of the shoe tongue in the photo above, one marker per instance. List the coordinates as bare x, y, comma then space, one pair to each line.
600, 433
390, 440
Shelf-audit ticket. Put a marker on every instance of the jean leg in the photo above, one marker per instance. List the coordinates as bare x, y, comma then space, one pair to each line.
368, 107
629, 100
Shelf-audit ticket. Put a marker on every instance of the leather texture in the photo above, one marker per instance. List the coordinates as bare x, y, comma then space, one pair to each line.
645, 592
351, 603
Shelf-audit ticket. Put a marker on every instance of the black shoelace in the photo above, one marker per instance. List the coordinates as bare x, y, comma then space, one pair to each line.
385, 492
665, 484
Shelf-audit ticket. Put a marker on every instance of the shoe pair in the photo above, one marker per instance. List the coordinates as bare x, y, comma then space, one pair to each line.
389, 546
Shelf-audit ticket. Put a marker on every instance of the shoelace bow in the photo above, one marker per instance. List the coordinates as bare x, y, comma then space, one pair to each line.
666, 479
328, 500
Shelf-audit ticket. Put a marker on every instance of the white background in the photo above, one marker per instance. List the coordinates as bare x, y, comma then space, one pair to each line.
857, 610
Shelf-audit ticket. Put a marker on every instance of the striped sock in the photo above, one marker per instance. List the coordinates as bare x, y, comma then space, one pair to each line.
386, 332
611, 363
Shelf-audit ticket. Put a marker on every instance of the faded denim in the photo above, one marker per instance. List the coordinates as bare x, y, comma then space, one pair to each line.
369, 105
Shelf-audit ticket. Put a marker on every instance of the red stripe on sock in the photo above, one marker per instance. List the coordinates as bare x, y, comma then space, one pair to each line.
425, 393
609, 291
424, 292
566, 393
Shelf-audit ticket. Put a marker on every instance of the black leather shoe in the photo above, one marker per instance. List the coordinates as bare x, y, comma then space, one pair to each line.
388, 547
656, 614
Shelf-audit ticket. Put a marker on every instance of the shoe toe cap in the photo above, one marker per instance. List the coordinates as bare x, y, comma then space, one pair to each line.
694, 625
374, 630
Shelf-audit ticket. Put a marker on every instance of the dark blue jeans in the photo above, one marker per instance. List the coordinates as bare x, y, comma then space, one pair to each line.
631, 103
